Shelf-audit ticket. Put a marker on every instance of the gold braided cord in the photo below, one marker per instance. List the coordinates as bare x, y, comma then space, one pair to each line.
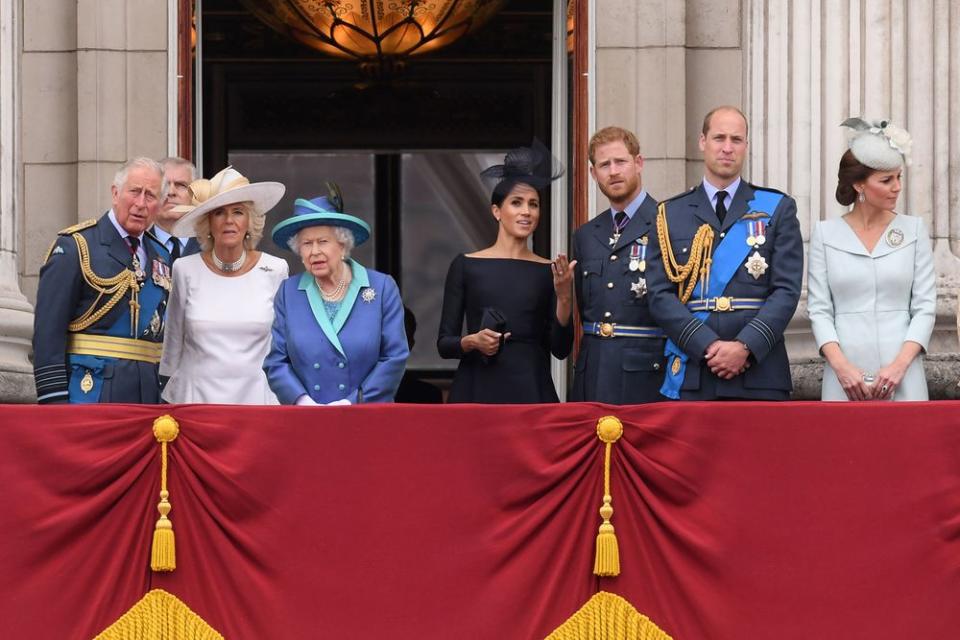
116, 287
159, 616
698, 265
607, 616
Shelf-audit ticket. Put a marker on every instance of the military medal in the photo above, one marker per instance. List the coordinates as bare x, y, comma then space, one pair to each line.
761, 236
137, 269
639, 288
617, 229
161, 274
756, 265
86, 382
751, 236
895, 237
368, 295
155, 323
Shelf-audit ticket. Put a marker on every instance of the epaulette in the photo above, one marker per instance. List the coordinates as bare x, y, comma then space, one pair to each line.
680, 195
759, 188
80, 226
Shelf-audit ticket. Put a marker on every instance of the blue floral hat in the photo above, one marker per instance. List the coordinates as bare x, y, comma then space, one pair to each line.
322, 211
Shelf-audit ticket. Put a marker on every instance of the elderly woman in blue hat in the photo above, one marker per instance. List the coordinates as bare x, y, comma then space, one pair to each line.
338, 335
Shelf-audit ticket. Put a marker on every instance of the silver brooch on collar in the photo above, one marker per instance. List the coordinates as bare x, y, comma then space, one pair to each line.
894, 237
368, 295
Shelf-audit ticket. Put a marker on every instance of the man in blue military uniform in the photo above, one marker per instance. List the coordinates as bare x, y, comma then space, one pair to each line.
103, 291
621, 356
724, 279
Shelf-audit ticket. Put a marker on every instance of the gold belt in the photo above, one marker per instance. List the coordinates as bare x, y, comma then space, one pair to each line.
86, 344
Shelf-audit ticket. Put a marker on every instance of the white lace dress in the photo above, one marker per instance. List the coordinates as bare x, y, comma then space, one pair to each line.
218, 332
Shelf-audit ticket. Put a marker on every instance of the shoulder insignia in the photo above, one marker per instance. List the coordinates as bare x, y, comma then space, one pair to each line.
54, 250
680, 195
80, 226
759, 188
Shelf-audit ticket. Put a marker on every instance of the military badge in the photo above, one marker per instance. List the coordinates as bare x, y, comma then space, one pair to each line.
639, 288
895, 237
756, 265
368, 295
86, 382
161, 274
156, 323
138, 269
57, 250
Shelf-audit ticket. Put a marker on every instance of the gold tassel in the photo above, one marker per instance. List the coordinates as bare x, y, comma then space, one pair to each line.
163, 554
607, 559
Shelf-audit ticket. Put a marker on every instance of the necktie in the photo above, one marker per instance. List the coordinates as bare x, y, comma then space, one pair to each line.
721, 207
134, 243
620, 220
175, 249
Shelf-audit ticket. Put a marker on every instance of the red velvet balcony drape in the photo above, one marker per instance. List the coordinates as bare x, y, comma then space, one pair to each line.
734, 520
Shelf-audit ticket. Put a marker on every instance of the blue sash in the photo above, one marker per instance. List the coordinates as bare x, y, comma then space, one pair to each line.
727, 258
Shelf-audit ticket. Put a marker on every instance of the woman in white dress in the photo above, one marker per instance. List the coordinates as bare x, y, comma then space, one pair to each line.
221, 304
871, 283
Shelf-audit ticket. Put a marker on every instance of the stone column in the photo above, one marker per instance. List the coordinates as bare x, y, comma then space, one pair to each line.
16, 314
812, 64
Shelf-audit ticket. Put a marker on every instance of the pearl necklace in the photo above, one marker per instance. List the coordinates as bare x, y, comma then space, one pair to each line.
337, 291
229, 267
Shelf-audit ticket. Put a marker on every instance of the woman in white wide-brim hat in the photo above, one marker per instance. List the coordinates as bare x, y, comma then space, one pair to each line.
221, 303
871, 285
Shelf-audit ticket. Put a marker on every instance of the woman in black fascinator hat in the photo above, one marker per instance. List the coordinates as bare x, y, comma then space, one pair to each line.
517, 304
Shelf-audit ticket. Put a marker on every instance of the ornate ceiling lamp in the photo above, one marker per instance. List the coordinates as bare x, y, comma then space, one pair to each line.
379, 34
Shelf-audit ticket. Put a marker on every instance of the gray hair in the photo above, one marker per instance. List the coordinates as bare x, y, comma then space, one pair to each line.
343, 235
177, 161
120, 177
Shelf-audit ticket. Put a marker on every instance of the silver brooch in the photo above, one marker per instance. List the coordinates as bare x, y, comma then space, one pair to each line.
895, 237
756, 265
639, 288
368, 295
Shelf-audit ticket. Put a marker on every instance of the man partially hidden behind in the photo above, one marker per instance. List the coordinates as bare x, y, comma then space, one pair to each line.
103, 292
724, 277
621, 356
178, 173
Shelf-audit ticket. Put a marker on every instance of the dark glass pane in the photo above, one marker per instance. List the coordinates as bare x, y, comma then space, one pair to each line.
445, 211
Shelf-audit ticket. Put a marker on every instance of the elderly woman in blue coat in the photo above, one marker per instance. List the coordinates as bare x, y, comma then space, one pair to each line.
338, 335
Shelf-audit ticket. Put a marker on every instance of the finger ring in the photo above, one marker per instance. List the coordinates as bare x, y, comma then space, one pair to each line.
884, 388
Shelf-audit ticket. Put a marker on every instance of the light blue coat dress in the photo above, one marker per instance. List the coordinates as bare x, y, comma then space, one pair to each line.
359, 356
871, 302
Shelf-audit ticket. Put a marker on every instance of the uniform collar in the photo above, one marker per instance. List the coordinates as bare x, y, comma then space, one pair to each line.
123, 232
634, 205
164, 236
711, 190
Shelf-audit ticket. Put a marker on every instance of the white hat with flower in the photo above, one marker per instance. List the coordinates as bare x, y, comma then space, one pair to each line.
879, 145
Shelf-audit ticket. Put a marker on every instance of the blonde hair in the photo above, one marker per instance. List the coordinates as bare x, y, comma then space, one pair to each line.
255, 224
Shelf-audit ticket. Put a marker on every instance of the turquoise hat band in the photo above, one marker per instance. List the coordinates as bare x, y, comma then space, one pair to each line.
314, 216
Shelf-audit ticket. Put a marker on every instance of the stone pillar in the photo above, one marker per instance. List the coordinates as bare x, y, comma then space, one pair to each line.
812, 64
16, 314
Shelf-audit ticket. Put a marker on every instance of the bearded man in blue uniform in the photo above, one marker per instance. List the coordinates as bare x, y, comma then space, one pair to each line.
724, 279
621, 355
98, 328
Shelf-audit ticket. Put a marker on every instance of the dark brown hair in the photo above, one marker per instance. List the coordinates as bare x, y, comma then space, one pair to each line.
851, 170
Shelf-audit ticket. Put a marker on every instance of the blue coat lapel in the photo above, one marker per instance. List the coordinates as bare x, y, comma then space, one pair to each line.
331, 329
309, 285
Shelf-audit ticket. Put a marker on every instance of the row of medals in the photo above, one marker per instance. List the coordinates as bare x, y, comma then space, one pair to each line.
638, 288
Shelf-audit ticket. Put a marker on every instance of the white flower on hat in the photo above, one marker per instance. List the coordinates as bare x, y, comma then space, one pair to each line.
879, 145
900, 140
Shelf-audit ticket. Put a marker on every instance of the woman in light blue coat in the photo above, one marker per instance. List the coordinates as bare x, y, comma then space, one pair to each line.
871, 283
338, 334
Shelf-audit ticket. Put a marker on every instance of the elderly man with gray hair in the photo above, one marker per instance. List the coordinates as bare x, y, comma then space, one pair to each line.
103, 292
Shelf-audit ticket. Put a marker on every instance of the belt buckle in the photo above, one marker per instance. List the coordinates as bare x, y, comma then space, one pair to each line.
724, 303
605, 330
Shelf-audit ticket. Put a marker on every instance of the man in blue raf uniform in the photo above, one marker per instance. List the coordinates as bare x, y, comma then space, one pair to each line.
621, 356
103, 292
725, 270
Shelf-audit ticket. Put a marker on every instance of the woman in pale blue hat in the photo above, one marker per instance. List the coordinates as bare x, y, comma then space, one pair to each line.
338, 335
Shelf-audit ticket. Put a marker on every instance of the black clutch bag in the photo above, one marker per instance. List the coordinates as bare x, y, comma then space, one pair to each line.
494, 320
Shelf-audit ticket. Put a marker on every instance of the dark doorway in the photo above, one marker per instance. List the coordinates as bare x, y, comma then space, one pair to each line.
406, 149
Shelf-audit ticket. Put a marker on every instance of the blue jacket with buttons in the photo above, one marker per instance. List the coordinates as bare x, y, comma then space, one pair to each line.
621, 370
359, 356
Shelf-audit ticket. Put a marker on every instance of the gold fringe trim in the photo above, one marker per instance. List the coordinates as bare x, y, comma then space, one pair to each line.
163, 553
607, 616
159, 616
607, 559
